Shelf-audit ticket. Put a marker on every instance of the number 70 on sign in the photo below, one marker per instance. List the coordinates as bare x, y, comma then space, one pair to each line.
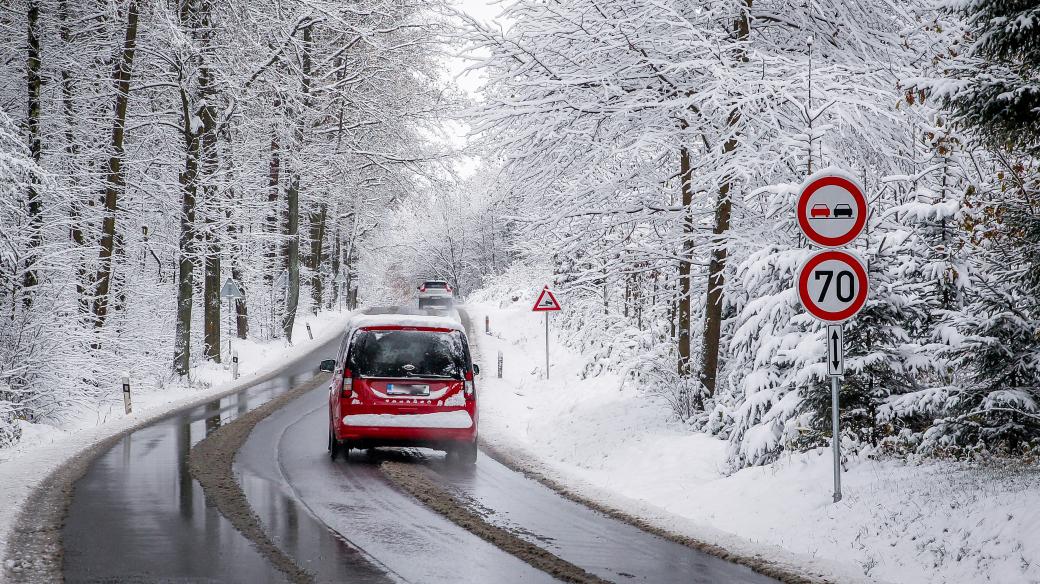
832, 285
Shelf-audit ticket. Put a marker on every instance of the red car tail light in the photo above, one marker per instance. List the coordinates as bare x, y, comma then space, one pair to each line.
348, 385
447, 287
422, 288
468, 388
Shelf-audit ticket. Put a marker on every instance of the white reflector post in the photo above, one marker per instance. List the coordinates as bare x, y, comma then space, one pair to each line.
126, 394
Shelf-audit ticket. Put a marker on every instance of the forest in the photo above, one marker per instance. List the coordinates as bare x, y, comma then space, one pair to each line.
642, 156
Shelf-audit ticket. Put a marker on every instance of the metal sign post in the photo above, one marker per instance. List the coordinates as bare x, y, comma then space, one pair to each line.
232, 292
547, 345
546, 303
832, 284
836, 368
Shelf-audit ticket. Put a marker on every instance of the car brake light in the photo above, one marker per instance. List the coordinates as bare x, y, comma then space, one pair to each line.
422, 288
348, 385
447, 287
467, 386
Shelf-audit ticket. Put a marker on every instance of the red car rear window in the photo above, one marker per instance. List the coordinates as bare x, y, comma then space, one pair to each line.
408, 352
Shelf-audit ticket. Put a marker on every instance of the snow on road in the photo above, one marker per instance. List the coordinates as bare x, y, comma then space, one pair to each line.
44, 448
932, 522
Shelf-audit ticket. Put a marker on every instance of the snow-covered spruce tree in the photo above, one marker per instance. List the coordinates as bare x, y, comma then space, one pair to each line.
994, 87
993, 91
774, 398
881, 344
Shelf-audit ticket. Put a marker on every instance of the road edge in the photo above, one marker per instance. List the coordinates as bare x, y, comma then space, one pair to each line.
211, 462
34, 552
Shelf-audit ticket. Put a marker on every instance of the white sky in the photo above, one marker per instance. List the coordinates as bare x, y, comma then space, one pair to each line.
484, 11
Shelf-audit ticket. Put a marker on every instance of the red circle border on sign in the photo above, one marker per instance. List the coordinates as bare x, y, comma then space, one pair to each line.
803, 285
803, 206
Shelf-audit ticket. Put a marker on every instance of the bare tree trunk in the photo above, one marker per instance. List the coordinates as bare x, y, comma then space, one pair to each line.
116, 182
72, 154
272, 221
30, 278
211, 282
189, 179
316, 256
235, 234
211, 325
241, 312
337, 253
717, 266
186, 265
292, 230
685, 263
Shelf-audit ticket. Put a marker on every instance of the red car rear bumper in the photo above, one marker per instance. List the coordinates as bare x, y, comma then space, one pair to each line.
365, 436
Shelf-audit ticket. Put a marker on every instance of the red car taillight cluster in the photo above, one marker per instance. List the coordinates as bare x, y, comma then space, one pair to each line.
347, 390
468, 388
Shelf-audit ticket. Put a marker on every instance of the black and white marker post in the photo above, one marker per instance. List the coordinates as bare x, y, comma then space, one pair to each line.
832, 283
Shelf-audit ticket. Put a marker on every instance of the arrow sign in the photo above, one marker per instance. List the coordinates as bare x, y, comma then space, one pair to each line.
546, 302
835, 349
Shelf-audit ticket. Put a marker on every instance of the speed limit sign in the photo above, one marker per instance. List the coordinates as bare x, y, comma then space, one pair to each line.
832, 285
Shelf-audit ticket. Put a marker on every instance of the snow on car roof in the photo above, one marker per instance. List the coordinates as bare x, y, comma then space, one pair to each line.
404, 320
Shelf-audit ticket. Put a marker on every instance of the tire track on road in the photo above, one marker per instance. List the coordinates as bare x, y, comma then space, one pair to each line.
414, 480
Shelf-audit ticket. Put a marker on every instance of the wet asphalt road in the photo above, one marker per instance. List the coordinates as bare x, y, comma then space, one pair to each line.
138, 516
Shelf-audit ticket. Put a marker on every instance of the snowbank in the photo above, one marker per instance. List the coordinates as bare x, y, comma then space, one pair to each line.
936, 522
43, 448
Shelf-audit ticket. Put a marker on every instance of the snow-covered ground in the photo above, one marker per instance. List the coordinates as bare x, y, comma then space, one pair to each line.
43, 448
933, 522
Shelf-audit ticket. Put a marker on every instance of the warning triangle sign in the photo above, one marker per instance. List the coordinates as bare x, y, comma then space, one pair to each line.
546, 302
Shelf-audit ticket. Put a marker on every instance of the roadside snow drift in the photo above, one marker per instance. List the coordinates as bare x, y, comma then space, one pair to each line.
936, 522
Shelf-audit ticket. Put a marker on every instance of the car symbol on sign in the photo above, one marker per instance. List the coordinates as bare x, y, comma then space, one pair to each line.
820, 210
842, 210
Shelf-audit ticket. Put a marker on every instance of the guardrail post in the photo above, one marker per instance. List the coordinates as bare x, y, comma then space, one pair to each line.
234, 365
500, 364
487, 325
309, 333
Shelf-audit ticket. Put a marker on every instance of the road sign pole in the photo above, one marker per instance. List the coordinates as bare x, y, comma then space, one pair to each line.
231, 323
835, 436
547, 345
546, 303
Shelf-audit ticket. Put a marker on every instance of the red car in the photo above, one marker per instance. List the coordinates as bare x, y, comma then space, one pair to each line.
820, 210
403, 381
